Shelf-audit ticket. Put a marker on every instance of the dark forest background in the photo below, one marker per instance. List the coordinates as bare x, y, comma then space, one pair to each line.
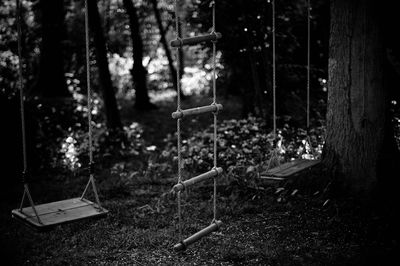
134, 81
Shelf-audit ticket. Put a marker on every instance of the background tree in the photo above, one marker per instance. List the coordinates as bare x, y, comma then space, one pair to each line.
247, 53
107, 90
360, 146
164, 42
51, 79
138, 71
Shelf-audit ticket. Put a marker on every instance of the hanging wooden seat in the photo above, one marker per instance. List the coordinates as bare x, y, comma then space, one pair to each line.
59, 212
289, 169
46, 216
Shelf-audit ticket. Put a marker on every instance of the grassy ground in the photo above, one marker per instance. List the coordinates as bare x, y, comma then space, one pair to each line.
273, 224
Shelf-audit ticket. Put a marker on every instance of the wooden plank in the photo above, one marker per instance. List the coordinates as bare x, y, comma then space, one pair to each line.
200, 234
274, 178
281, 167
56, 206
296, 168
289, 169
197, 110
196, 39
213, 172
69, 210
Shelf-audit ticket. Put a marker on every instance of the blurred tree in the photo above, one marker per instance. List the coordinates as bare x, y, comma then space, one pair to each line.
139, 73
246, 52
182, 9
51, 79
164, 43
360, 146
107, 90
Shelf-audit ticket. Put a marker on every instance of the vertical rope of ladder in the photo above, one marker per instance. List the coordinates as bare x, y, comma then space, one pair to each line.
22, 109
215, 113
273, 68
308, 61
178, 123
89, 107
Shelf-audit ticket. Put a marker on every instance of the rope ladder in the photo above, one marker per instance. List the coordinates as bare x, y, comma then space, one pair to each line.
179, 114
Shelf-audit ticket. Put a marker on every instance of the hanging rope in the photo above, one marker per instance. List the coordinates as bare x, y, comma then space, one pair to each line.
89, 107
215, 113
274, 152
308, 60
21, 88
178, 125
308, 140
22, 109
273, 69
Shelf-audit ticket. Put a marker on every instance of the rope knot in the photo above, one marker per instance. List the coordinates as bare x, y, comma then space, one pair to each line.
91, 168
179, 39
217, 108
24, 177
212, 3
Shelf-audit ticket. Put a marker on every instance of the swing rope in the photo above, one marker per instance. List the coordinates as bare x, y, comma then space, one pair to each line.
308, 67
308, 140
274, 152
89, 107
21, 88
273, 69
308, 61
23, 122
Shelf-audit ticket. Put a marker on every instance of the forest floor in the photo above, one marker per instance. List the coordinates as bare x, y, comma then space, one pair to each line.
268, 224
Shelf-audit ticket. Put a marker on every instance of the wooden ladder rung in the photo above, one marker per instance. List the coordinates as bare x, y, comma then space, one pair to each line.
190, 240
196, 40
197, 110
181, 186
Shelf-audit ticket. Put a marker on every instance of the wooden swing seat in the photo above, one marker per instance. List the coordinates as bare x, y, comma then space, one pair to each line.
289, 169
59, 212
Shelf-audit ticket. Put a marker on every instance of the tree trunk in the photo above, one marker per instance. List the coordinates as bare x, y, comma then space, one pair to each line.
357, 122
181, 51
138, 71
51, 81
267, 77
107, 90
257, 94
164, 43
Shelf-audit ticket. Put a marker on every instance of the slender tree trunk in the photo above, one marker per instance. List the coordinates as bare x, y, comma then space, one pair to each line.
138, 71
107, 90
51, 81
357, 123
181, 53
259, 106
267, 70
164, 43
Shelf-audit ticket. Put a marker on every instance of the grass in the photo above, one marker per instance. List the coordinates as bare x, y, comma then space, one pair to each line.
262, 226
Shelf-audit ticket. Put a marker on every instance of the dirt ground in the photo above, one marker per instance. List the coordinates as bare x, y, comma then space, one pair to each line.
271, 224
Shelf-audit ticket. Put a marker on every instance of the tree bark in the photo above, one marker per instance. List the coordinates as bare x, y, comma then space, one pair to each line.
107, 90
138, 71
51, 81
357, 122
